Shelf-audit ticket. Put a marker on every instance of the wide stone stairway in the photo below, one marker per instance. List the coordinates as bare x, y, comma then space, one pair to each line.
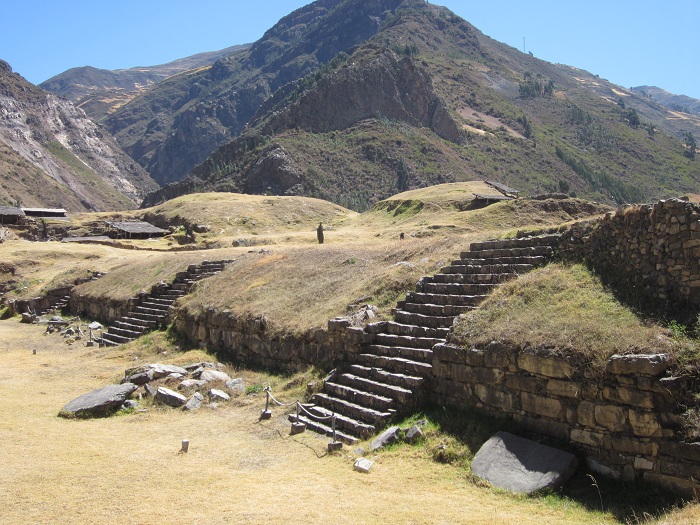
152, 310
392, 370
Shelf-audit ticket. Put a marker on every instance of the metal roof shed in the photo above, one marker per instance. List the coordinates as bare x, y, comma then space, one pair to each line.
10, 215
135, 230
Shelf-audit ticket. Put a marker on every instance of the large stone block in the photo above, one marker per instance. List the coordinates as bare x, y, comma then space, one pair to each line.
449, 353
629, 396
494, 397
545, 365
612, 417
558, 387
632, 445
521, 465
525, 383
646, 364
589, 438
645, 424
586, 414
543, 406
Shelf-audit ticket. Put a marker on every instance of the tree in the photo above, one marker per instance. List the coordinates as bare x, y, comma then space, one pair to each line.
690, 145
633, 118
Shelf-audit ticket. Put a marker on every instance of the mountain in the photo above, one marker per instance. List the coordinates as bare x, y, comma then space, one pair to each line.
410, 95
100, 92
53, 155
677, 103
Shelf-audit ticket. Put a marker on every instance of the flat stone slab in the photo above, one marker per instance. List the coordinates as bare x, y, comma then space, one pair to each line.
389, 436
363, 465
98, 403
522, 465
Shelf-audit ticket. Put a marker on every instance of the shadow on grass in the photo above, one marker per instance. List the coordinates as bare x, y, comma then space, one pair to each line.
627, 502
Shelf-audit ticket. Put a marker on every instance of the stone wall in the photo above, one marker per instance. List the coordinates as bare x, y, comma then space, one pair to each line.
649, 251
625, 419
251, 341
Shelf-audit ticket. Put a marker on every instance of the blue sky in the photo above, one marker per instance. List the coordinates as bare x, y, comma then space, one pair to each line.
628, 43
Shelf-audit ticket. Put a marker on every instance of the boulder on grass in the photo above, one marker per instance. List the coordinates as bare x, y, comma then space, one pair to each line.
170, 397
98, 403
521, 465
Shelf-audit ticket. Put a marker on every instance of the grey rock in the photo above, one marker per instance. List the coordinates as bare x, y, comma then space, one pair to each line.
359, 451
194, 402
170, 397
139, 378
151, 391
195, 366
27, 318
363, 465
214, 375
95, 326
414, 434
191, 383
160, 370
218, 395
130, 404
236, 385
635, 364
521, 465
98, 403
390, 435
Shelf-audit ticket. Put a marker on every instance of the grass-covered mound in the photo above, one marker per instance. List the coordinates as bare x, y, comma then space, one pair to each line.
566, 308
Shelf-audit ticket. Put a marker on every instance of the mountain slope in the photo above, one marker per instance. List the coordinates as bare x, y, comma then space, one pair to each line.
52, 154
181, 121
99, 92
429, 99
678, 103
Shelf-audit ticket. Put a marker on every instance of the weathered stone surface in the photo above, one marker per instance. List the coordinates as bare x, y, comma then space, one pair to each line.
544, 406
218, 395
170, 397
98, 403
629, 396
139, 378
389, 436
214, 375
186, 384
492, 396
161, 370
363, 465
546, 365
521, 465
194, 402
236, 385
414, 434
611, 417
645, 424
646, 364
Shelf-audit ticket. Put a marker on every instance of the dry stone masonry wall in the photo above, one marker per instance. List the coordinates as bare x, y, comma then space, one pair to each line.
624, 419
652, 251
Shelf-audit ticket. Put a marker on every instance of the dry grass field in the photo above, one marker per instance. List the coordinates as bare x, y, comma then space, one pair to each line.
129, 470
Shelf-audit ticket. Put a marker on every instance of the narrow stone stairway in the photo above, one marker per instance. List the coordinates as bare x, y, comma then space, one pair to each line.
392, 370
152, 310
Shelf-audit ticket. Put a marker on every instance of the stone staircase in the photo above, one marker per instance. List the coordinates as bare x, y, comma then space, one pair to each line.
153, 308
392, 371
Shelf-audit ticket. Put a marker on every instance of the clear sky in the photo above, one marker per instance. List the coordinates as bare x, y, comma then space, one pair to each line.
629, 43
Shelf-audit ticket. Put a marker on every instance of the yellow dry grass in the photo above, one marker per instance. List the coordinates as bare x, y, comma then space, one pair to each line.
128, 470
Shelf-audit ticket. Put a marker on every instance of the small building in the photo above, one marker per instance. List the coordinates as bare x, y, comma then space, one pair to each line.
10, 215
505, 190
134, 230
481, 199
46, 213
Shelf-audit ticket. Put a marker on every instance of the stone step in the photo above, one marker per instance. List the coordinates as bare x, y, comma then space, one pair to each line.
400, 394
493, 269
470, 278
423, 355
508, 252
443, 310
456, 288
407, 340
147, 316
434, 298
160, 314
165, 301
124, 332
344, 423
540, 240
147, 303
432, 321
143, 323
360, 397
535, 260
351, 410
325, 430
183, 287
379, 375
116, 339
125, 325
396, 364
392, 327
